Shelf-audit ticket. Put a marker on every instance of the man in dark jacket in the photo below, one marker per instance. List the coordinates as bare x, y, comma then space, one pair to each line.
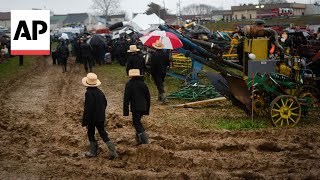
94, 115
63, 53
137, 95
135, 60
86, 51
159, 62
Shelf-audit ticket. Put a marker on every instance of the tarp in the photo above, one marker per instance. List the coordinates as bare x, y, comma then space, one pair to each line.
145, 23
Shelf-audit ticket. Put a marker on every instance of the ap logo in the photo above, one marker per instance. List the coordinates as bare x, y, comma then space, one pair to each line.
30, 32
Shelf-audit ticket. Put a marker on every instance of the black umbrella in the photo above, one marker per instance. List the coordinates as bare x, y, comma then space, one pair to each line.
96, 40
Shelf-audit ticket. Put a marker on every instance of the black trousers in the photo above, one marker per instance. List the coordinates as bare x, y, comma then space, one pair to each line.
54, 58
102, 132
136, 118
64, 62
158, 80
87, 62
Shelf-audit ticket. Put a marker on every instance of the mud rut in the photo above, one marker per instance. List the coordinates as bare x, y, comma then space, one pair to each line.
41, 137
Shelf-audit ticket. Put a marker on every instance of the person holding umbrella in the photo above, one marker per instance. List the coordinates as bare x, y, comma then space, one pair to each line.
135, 60
159, 62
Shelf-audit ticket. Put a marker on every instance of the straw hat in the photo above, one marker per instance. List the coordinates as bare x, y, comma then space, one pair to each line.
134, 73
91, 80
133, 48
158, 45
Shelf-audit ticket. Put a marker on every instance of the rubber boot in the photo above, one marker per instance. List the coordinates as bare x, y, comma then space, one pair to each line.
144, 138
163, 98
112, 149
138, 140
159, 97
93, 150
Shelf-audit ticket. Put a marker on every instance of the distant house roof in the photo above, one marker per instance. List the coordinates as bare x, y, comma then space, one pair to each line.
57, 18
5, 16
76, 18
269, 6
116, 16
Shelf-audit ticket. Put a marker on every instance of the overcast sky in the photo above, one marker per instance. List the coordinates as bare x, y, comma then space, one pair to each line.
130, 6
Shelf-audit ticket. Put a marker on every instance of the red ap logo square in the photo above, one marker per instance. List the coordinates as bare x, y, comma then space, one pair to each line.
30, 32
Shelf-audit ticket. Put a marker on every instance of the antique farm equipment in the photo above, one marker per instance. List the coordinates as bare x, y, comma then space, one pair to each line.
271, 83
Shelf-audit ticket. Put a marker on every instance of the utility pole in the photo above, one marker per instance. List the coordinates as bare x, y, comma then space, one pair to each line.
165, 11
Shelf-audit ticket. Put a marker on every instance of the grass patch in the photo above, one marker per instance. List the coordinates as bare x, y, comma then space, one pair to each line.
11, 67
206, 122
241, 124
212, 123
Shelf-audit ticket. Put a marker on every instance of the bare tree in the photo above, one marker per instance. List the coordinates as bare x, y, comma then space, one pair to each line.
106, 7
272, 1
198, 9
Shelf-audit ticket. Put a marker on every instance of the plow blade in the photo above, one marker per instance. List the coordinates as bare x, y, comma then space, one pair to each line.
234, 88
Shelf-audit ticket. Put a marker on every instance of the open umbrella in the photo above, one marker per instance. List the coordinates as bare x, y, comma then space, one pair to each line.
168, 39
96, 40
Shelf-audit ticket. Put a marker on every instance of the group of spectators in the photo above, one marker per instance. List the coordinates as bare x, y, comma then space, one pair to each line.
126, 51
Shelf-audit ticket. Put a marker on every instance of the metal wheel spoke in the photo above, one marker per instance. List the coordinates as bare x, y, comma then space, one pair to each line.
278, 120
294, 108
277, 105
282, 102
277, 110
292, 120
275, 115
294, 114
286, 102
281, 122
288, 122
291, 104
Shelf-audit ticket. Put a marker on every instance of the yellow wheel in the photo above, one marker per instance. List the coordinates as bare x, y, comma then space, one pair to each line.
259, 105
285, 110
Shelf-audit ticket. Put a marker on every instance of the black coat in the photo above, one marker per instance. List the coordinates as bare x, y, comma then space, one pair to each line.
136, 61
159, 62
85, 50
94, 107
137, 95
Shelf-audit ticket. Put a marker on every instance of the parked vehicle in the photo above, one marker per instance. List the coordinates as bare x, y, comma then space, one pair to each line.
273, 13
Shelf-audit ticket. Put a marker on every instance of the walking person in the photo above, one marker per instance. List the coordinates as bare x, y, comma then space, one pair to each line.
135, 60
86, 52
63, 53
94, 115
137, 95
158, 66
54, 56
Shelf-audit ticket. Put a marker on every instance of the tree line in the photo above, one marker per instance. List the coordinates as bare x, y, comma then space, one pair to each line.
110, 7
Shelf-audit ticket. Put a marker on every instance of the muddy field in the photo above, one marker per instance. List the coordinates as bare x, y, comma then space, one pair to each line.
41, 137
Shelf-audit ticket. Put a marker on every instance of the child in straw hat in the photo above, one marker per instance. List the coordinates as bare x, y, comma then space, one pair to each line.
137, 95
135, 60
94, 115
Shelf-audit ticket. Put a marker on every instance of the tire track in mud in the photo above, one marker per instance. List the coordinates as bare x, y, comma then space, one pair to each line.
42, 137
